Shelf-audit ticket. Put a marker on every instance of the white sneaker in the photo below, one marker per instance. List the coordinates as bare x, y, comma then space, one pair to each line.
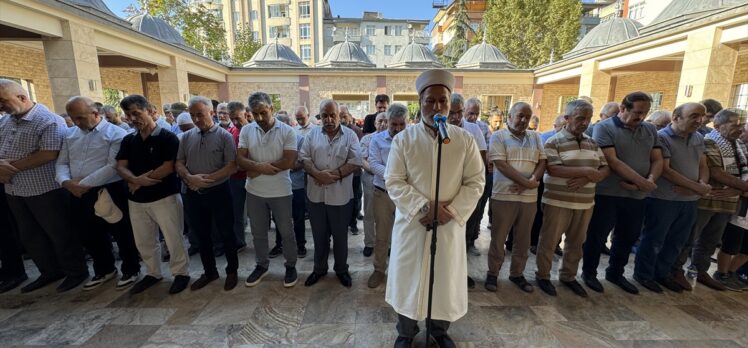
127, 280
99, 279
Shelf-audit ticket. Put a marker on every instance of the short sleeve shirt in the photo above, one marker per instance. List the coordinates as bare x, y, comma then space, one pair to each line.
477, 134
523, 154
326, 154
207, 152
144, 155
268, 147
684, 155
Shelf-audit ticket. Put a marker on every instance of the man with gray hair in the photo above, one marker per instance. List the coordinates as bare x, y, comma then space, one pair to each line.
331, 155
609, 110
30, 141
304, 124
267, 151
473, 107
660, 119
206, 159
367, 182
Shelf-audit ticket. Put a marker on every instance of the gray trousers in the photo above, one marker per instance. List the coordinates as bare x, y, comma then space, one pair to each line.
367, 181
705, 236
44, 230
258, 209
329, 221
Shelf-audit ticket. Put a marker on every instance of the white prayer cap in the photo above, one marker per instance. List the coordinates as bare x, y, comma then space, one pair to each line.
435, 77
184, 118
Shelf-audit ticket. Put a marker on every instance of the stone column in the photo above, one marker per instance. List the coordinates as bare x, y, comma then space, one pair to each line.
72, 65
173, 85
595, 83
708, 68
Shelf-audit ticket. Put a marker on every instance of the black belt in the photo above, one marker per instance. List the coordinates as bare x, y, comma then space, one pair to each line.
380, 189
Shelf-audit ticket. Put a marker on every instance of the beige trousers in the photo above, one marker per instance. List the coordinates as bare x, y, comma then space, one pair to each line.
557, 221
517, 217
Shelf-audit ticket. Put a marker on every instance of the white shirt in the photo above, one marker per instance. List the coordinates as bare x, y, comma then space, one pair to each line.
303, 131
477, 134
90, 155
326, 154
268, 147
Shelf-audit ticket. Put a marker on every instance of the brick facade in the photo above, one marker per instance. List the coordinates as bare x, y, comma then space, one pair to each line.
20, 62
122, 79
665, 82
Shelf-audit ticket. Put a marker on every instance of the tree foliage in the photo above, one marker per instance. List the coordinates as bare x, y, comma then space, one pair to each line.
245, 46
458, 44
530, 32
200, 27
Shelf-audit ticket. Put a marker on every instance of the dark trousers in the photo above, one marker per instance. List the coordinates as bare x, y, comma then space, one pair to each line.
298, 210
626, 215
472, 228
358, 194
10, 248
238, 202
407, 327
204, 209
538, 222
667, 225
326, 222
44, 231
94, 232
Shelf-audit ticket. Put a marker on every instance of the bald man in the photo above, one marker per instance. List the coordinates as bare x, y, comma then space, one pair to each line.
30, 140
85, 167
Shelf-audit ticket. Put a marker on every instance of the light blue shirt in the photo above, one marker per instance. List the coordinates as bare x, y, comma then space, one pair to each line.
90, 155
379, 150
297, 176
161, 122
547, 135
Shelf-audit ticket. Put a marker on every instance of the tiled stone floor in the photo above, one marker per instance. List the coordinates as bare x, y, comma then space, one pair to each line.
329, 315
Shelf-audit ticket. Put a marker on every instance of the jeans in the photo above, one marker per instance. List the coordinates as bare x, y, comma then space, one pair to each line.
239, 202
326, 223
259, 209
667, 225
208, 209
165, 214
626, 215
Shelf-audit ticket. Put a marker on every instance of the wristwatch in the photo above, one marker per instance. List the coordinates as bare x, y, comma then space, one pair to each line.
425, 208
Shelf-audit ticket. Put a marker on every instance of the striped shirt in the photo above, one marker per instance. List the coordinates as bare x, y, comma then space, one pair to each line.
563, 149
523, 154
709, 203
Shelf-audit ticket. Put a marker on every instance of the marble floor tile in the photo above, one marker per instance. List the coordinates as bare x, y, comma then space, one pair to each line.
547, 313
197, 336
141, 316
121, 336
73, 329
672, 322
330, 304
628, 330
581, 334
327, 334
269, 325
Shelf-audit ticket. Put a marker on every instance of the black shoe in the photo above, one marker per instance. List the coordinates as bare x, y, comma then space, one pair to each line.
204, 280
231, 280
650, 284
313, 278
359, 217
41, 282
368, 251
445, 341
180, 283
290, 278
470, 283
522, 283
301, 253
71, 282
558, 251
670, 284
11, 283
144, 284
546, 286
491, 283
605, 250
592, 282
256, 276
219, 252
575, 287
345, 279
622, 283
534, 249
354, 230
403, 342
275, 252
192, 250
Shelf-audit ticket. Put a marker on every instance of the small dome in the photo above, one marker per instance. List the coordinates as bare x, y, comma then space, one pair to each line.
678, 11
414, 56
605, 34
274, 55
158, 28
346, 55
484, 56
97, 5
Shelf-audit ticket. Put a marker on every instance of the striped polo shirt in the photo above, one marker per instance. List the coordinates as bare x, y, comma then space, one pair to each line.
564, 149
523, 154
714, 160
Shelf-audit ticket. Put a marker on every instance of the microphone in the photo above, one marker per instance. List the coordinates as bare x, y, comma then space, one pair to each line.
441, 123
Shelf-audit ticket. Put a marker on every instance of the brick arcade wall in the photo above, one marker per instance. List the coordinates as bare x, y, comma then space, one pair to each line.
665, 82
288, 91
121, 79
27, 63
549, 104
205, 89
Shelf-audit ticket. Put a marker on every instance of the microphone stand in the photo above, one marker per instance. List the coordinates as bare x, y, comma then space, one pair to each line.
428, 341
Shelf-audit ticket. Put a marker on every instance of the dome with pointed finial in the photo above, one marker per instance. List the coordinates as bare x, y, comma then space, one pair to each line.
274, 55
678, 11
345, 55
605, 34
158, 28
414, 55
484, 56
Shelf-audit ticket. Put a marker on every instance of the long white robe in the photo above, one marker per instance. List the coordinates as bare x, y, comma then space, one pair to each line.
410, 178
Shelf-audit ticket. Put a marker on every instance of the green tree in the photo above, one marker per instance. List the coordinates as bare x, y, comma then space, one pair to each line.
200, 27
456, 46
530, 32
245, 46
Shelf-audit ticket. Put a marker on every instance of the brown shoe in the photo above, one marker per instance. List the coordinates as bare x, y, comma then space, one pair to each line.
706, 279
203, 281
680, 278
376, 279
231, 280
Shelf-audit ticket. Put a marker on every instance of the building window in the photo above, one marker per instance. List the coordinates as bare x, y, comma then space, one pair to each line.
358, 105
304, 9
304, 31
389, 30
256, 36
387, 50
656, 101
496, 103
636, 11
253, 15
27, 85
397, 48
280, 31
562, 101
369, 49
278, 10
370, 30
306, 52
740, 96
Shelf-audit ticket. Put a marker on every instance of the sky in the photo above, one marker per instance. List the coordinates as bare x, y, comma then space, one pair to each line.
400, 9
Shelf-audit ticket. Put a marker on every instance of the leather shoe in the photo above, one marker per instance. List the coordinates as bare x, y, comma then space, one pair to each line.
575, 287
368, 251
231, 280
41, 282
649, 284
445, 341
180, 283
345, 279
622, 283
679, 277
546, 286
375, 279
470, 283
204, 280
670, 284
706, 279
592, 282
71, 282
11, 283
403, 342
313, 278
